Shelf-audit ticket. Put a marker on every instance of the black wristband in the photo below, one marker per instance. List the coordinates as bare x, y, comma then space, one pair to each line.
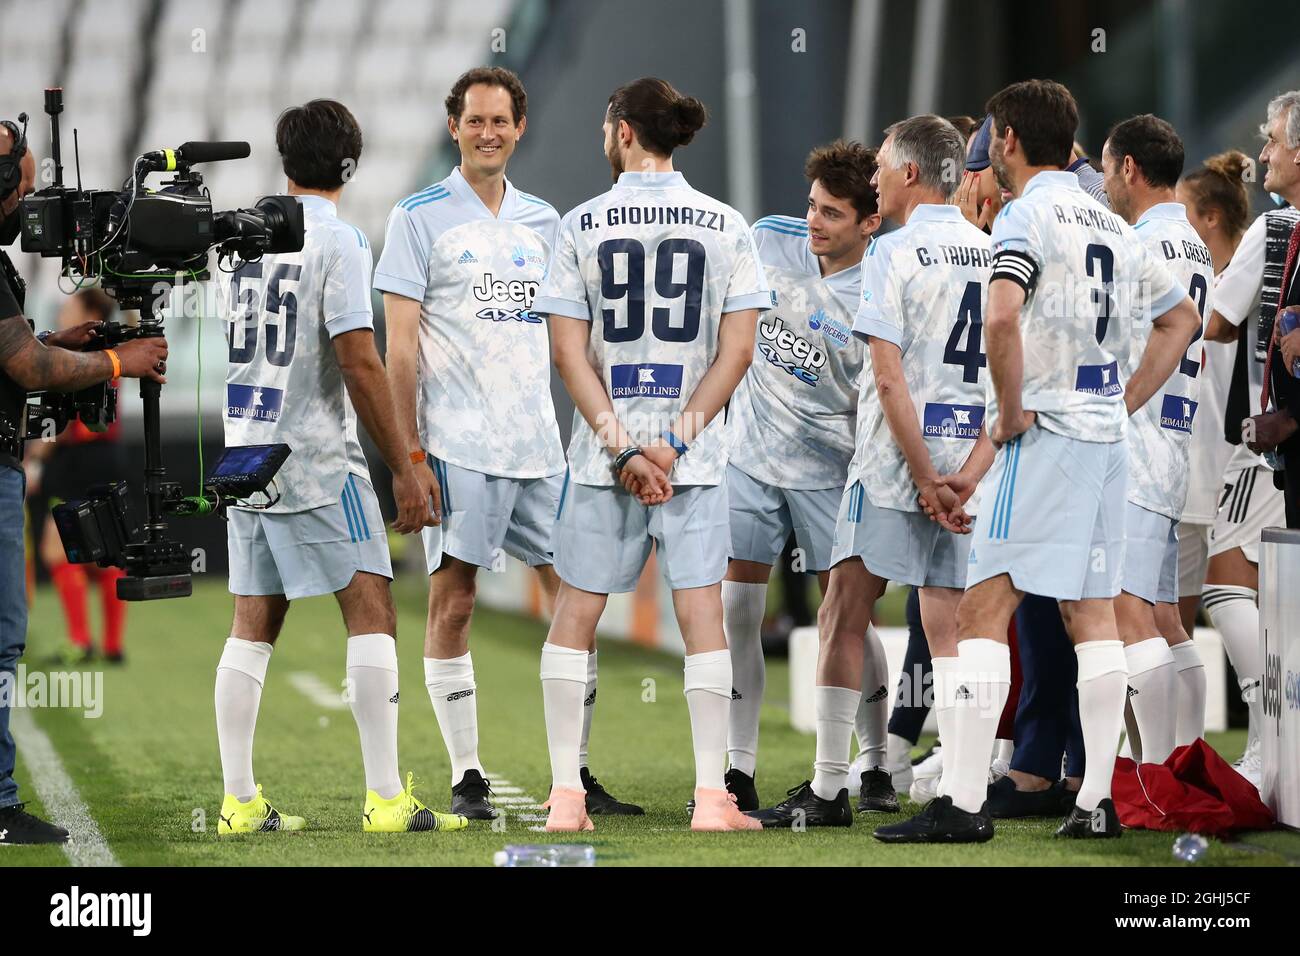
623, 457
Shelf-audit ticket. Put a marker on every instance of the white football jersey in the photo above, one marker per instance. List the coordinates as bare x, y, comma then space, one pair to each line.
485, 358
1160, 432
923, 289
790, 423
283, 382
654, 265
1092, 286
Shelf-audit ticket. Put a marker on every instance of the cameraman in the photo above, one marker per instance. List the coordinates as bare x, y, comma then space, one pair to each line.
27, 365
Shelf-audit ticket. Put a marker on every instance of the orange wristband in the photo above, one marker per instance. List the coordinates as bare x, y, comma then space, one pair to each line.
417, 457
117, 362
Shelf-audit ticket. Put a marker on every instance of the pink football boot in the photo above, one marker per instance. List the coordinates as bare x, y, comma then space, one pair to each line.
715, 810
568, 811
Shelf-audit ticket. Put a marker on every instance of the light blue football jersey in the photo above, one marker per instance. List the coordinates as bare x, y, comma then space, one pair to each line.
654, 265
923, 289
1160, 432
790, 423
283, 382
484, 354
1096, 286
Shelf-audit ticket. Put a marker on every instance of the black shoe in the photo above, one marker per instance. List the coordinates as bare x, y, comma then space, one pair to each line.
116, 658
469, 798
1100, 824
877, 794
940, 822
600, 800
804, 808
1005, 802
20, 828
741, 786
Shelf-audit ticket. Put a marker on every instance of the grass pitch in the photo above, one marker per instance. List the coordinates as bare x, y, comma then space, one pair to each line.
149, 772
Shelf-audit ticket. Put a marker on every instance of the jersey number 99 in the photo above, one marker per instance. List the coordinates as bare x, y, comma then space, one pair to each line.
632, 289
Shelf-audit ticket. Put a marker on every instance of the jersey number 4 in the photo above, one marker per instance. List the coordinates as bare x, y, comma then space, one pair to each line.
244, 293
632, 255
971, 358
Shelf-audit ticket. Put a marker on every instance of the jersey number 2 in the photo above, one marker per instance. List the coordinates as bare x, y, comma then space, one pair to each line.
248, 316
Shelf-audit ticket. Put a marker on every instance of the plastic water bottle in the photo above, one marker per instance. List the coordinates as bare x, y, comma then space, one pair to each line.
1190, 847
546, 854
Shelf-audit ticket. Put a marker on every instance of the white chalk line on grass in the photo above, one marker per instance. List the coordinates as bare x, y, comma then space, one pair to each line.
519, 800
317, 691
86, 845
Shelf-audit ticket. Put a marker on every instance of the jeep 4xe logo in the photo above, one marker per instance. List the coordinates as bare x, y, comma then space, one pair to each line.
790, 352
509, 294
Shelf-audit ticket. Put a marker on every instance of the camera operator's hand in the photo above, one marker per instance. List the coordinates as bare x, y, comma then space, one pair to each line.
143, 358
76, 337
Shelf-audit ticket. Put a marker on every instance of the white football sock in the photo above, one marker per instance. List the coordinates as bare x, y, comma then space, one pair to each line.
1191, 693
450, 683
241, 672
588, 708
983, 681
871, 723
1152, 693
944, 684
708, 698
836, 709
1235, 615
1103, 687
742, 620
898, 753
564, 681
372, 680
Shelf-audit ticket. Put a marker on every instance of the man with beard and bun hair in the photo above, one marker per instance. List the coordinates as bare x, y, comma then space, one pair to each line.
653, 293
1142, 160
920, 411
1070, 284
790, 438
1246, 300
470, 369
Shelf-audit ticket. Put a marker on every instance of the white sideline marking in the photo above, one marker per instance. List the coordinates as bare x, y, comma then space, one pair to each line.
86, 846
317, 691
519, 799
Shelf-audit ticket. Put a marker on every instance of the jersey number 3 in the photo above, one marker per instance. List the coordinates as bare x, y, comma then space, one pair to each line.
247, 318
632, 288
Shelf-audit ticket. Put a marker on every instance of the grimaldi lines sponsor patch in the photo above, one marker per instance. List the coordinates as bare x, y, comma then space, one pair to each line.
945, 420
1098, 379
1177, 413
645, 380
258, 402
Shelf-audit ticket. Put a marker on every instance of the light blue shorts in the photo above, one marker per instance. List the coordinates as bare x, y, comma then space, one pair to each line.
485, 517
763, 515
1150, 555
308, 552
603, 537
901, 546
1052, 516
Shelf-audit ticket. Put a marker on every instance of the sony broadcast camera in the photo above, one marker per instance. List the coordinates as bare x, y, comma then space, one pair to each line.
138, 243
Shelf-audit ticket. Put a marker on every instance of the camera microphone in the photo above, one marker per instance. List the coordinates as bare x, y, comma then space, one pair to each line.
189, 154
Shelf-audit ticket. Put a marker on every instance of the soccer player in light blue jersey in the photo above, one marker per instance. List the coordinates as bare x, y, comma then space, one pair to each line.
1142, 160
302, 369
470, 367
920, 411
1072, 292
653, 295
790, 439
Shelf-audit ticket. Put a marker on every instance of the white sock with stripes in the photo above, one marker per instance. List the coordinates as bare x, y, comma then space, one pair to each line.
1235, 615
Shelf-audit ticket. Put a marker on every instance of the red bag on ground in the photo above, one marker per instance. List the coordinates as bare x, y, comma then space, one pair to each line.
1194, 790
